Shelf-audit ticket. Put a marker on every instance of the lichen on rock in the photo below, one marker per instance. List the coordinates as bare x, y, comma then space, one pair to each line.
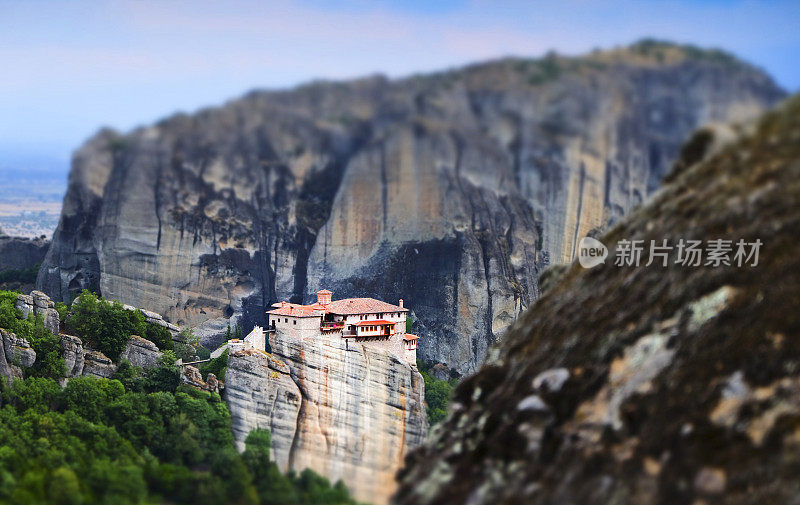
683, 381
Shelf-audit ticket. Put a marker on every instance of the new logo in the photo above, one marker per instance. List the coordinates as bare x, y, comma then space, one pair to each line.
591, 252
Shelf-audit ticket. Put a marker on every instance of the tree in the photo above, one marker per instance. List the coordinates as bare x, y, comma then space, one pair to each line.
106, 325
437, 394
217, 366
158, 335
49, 362
166, 375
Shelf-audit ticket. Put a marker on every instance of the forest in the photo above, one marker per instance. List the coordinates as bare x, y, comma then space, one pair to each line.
138, 437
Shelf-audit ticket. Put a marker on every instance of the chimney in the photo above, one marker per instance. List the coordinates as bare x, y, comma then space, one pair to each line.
324, 297
401, 303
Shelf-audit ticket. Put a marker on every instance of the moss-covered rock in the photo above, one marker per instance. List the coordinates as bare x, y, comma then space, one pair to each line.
677, 384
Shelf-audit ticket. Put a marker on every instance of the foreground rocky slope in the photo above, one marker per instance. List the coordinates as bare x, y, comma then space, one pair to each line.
346, 413
651, 384
450, 190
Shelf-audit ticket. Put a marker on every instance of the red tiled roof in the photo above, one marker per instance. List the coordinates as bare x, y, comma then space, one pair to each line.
378, 322
295, 310
361, 306
410, 336
324, 292
347, 306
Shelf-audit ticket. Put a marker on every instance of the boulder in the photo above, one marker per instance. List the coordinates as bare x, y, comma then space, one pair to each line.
98, 364
25, 304
441, 372
41, 305
73, 352
191, 376
141, 352
41, 300
15, 352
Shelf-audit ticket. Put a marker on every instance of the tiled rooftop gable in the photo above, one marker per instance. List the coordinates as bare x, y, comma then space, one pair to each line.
362, 306
347, 306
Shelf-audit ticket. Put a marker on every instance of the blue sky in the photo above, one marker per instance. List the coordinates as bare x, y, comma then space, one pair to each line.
70, 67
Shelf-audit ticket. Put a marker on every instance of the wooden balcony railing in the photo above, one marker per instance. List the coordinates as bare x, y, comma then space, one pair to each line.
332, 325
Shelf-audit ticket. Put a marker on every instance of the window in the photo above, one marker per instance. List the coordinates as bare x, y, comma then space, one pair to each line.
286, 320
294, 322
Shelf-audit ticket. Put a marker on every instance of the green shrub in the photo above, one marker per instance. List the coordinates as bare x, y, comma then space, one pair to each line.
104, 325
49, 362
437, 394
217, 366
159, 335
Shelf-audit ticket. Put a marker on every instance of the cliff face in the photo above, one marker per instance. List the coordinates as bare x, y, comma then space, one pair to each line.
347, 413
19, 253
642, 385
19, 260
450, 190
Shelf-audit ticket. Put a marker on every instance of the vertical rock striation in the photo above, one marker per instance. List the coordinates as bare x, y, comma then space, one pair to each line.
261, 394
451, 190
347, 412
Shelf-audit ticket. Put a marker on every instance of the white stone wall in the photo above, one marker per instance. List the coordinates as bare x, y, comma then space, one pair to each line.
257, 338
300, 326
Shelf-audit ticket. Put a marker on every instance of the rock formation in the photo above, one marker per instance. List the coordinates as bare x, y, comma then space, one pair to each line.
141, 352
78, 360
451, 190
98, 364
73, 353
41, 305
261, 394
191, 376
345, 411
649, 384
20, 253
15, 352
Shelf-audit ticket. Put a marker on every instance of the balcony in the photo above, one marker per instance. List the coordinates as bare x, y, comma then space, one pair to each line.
332, 325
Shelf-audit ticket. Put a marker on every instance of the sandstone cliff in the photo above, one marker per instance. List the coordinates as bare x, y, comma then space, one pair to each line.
643, 385
450, 190
347, 412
